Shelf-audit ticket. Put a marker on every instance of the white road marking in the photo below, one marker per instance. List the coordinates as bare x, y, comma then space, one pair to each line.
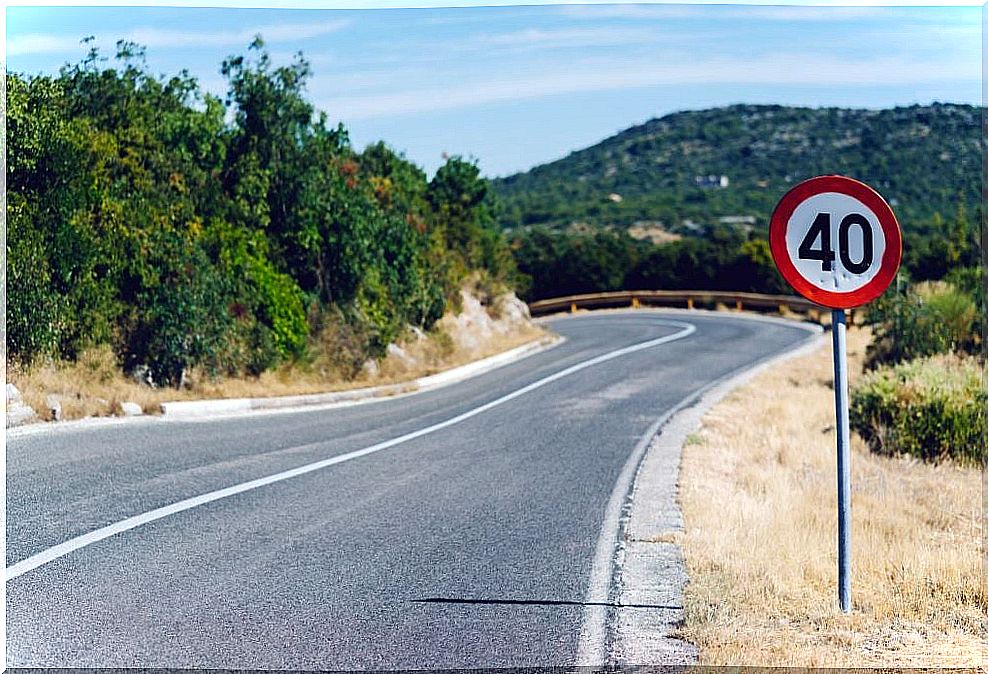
592, 644
79, 542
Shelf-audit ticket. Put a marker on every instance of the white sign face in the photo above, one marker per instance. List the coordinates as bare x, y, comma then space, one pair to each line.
835, 242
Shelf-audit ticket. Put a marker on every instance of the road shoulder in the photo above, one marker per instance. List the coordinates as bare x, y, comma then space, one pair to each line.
649, 574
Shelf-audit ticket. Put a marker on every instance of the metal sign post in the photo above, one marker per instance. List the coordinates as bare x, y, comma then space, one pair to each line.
806, 223
839, 329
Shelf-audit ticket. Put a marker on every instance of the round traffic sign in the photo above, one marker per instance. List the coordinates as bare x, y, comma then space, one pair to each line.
836, 241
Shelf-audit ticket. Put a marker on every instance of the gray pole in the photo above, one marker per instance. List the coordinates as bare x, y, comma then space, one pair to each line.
843, 461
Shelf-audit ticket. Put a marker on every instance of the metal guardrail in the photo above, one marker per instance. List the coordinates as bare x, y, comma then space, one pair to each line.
680, 298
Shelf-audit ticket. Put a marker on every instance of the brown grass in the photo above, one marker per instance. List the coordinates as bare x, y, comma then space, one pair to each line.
95, 386
758, 496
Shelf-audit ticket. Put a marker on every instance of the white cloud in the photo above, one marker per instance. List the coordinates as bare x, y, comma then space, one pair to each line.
40, 43
777, 69
765, 13
574, 37
277, 32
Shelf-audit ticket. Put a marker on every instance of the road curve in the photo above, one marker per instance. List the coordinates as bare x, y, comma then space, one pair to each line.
465, 539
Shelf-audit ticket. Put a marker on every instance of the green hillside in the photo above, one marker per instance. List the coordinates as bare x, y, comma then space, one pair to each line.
667, 172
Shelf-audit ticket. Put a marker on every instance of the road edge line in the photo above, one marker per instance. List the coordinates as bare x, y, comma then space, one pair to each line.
593, 646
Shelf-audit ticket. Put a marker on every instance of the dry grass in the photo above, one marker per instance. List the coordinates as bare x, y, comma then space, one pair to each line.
758, 496
91, 386
95, 385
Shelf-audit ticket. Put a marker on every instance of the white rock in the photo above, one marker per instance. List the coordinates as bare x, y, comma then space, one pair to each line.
141, 374
19, 413
396, 351
13, 393
370, 367
513, 310
54, 407
129, 409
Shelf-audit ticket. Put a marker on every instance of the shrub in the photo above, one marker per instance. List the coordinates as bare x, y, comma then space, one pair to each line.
182, 316
930, 318
341, 343
34, 311
929, 407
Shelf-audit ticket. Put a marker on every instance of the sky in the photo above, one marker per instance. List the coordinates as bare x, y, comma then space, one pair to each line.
514, 87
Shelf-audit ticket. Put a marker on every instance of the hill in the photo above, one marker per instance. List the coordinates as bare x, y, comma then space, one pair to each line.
730, 165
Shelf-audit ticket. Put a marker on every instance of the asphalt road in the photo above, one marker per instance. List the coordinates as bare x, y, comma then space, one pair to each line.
470, 546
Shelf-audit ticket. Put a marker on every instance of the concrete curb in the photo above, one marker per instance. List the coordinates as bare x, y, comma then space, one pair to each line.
649, 569
197, 409
206, 410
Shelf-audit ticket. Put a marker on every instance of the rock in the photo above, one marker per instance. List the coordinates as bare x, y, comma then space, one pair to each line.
513, 310
129, 409
54, 407
472, 327
418, 332
371, 368
13, 394
396, 351
142, 375
18, 413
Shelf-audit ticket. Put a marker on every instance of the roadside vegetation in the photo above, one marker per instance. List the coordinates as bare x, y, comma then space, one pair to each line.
93, 385
555, 262
925, 393
759, 501
159, 231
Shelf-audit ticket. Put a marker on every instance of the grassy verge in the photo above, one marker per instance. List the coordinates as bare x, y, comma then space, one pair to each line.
759, 501
95, 386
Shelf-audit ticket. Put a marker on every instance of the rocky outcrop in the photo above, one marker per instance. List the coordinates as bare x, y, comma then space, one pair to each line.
474, 327
17, 411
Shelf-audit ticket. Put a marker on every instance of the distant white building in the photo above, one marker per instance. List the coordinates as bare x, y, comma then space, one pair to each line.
737, 220
712, 182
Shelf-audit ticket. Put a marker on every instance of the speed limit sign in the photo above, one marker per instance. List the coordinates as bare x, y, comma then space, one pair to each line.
836, 241
838, 244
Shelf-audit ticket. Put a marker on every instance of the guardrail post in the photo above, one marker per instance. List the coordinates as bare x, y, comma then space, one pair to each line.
737, 305
689, 302
572, 307
783, 308
634, 303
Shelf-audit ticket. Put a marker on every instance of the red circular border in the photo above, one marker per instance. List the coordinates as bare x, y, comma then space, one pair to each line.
870, 198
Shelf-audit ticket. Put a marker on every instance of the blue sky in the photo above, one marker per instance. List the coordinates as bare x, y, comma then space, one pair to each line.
519, 86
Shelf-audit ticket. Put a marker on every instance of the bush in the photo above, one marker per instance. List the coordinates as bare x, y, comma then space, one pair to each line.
930, 318
930, 408
181, 317
34, 310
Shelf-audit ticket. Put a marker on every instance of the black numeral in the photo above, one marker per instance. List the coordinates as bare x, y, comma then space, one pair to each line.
862, 265
820, 229
824, 253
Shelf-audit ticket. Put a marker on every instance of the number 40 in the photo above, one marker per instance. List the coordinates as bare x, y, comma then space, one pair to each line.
820, 230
